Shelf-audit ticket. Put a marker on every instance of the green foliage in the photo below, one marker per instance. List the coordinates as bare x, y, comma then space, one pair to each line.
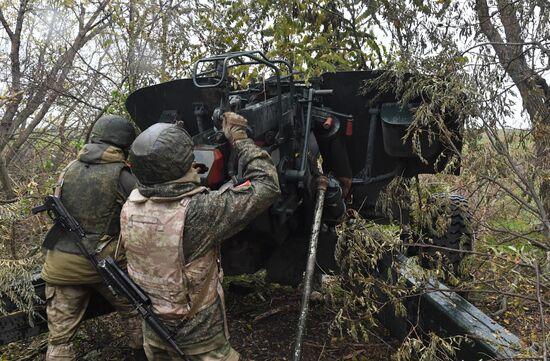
436, 348
427, 204
365, 292
360, 247
440, 97
16, 274
16, 284
117, 105
315, 36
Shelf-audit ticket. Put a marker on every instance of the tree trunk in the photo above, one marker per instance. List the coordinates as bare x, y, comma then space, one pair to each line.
132, 44
6, 181
533, 89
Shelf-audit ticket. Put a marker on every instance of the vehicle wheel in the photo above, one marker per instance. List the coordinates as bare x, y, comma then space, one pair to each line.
456, 235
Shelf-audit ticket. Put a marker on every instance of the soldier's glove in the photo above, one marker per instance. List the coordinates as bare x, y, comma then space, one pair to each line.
234, 126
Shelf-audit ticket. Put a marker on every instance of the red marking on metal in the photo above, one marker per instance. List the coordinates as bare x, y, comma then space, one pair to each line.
349, 127
215, 176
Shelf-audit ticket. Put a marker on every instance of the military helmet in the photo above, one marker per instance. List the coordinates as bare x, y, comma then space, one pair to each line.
114, 130
162, 153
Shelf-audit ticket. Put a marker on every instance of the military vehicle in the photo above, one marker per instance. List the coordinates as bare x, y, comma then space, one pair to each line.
360, 135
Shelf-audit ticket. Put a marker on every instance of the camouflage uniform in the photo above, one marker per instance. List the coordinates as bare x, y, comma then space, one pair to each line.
93, 188
172, 232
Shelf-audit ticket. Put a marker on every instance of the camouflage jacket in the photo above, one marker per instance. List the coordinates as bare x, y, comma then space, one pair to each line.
62, 267
215, 216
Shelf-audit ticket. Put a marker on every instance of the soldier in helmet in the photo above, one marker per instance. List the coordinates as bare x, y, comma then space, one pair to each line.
172, 228
93, 188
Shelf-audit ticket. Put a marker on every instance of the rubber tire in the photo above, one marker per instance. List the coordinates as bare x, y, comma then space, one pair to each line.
458, 235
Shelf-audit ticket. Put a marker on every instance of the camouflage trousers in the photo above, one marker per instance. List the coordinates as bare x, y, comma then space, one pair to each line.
65, 307
216, 349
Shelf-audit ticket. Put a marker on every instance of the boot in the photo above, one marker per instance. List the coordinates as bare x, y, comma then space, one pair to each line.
63, 352
139, 354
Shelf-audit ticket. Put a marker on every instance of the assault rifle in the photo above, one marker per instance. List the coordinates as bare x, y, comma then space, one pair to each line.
114, 278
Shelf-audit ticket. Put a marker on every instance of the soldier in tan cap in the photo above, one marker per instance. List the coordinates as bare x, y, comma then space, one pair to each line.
172, 229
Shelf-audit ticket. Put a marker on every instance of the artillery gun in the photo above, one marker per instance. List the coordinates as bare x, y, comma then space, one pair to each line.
363, 147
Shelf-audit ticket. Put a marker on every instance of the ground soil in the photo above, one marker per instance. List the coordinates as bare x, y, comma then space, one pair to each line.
262, 322
263, 327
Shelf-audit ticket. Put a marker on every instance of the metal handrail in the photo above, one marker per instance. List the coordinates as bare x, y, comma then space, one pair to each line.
256, 57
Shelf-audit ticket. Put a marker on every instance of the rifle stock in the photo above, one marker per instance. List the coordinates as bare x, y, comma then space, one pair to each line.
118, 282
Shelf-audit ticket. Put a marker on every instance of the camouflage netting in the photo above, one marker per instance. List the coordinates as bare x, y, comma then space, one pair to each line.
16, 286
20, 258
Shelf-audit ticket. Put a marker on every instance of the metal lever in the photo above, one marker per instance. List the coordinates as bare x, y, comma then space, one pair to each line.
311, 93
322, 183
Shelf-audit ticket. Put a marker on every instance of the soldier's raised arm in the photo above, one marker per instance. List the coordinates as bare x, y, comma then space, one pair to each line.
231, 209
171, 228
